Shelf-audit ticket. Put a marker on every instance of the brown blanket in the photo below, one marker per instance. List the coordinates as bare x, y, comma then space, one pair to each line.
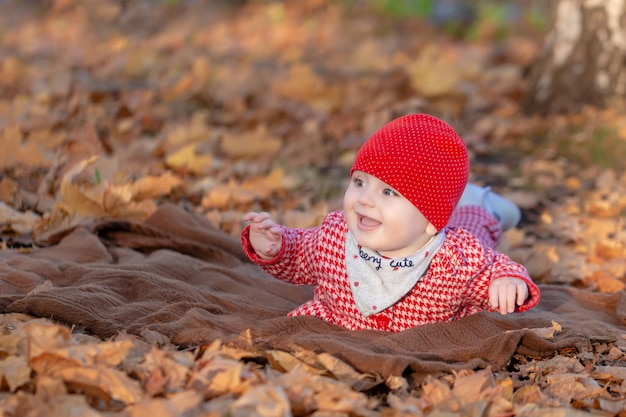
175, 277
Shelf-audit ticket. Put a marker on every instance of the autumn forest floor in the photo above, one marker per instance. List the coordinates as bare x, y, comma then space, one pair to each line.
109, 108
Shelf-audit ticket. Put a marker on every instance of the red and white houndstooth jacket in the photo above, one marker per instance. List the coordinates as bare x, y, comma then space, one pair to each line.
455, 285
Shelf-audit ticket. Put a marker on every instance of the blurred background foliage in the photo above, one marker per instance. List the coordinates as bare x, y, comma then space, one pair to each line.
465, 18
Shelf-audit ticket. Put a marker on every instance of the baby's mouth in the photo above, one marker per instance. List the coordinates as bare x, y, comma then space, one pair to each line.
367, 223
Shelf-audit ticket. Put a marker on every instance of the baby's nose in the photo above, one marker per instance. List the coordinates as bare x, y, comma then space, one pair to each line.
366, 197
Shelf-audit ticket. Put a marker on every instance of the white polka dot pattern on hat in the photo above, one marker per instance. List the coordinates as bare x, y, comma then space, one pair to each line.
421, 157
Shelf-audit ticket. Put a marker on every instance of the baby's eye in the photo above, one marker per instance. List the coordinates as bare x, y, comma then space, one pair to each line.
357, 182
389, 192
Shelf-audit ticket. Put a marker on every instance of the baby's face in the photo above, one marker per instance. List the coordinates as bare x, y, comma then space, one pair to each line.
381, 219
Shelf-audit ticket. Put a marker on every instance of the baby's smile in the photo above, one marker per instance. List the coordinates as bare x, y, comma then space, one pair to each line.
367, 223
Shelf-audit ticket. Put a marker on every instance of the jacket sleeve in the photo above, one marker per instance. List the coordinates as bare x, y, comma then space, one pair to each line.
296, 261
495, 265
504, 267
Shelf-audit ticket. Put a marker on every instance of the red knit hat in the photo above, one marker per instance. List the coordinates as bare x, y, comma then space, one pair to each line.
422, 158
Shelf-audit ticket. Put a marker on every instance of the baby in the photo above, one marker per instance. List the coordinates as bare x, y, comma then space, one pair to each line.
414, 241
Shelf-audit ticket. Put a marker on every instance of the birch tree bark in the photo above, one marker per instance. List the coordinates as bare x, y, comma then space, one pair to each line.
583, 59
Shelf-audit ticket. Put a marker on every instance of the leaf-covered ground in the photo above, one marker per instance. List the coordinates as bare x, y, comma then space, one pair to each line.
108, 108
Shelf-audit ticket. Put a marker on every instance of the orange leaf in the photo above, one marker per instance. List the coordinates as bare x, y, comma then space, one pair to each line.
101, 382
75, 197
251, 145
13, 153
15, 371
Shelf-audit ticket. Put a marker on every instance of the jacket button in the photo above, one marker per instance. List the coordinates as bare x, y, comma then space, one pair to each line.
382, 322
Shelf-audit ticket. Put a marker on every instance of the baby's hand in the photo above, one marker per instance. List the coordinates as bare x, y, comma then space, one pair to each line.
505, 293
265, 236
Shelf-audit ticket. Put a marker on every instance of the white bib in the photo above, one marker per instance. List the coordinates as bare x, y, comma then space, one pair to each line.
378, 282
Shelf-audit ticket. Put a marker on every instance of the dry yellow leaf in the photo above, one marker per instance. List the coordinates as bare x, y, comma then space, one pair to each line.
151, 186
608, 207
407, 406
43, 336
436, 391
76, 198
186, 157
263, 401
47, 138
15, 371
49, 364
474, 386
160, 362
102, 382
115, 197
153, 407
17, 221
435, 73
258, 142
285, 362
347, 374
303, 219
9, 191
77, 201
215, 375
48, 388
11, 71
605, 282
116, 202
569, 386
264, 186
528, 394
11, 343
545, 332
58, 218
104, 353
182, 402
15, 153
222, 196
308, 392
302, 83
610, 249
193, 131
219, 196
201, 70
65, 405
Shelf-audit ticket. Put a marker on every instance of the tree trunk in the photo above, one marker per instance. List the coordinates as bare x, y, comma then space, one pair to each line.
583, 59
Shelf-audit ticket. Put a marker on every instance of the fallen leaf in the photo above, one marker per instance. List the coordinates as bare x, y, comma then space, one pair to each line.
101, 382
13, 220
47, 388
43, 336
11, 71
186, 157
262, 400
160, 373
14, 152
15, 372
285, 362
346, 374
215, 375
604, 282
308, 393
548, 332
301, 83
435, 73
154, 186
76, 198
254, 144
